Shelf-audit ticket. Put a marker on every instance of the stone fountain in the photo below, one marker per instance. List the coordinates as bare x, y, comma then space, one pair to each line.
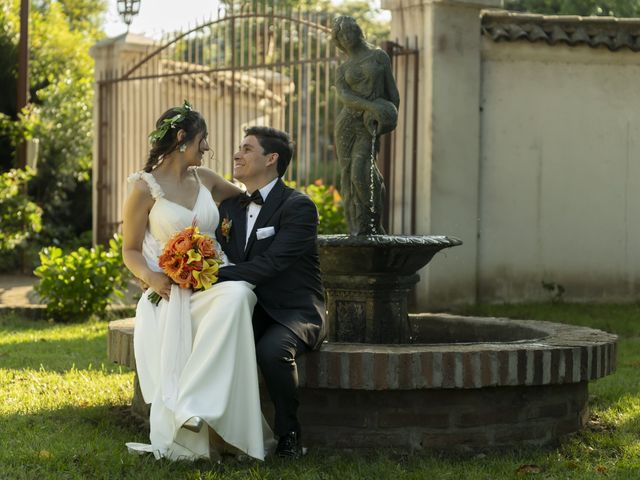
368, 275
387, 378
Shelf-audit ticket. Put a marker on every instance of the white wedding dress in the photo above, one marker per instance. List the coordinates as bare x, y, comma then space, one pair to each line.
195, 354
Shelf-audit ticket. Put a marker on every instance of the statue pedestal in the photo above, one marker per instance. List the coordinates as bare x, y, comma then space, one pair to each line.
367, 280
369, 308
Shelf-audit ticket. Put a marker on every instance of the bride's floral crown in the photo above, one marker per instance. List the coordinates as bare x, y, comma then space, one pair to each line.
171, 122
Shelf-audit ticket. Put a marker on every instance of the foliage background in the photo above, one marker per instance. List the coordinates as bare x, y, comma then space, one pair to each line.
80, 284
20, 217
59, 113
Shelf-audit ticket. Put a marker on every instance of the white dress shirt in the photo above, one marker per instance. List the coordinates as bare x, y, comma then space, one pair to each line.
253, 209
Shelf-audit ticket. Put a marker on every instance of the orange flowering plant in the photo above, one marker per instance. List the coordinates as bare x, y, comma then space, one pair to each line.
191, 260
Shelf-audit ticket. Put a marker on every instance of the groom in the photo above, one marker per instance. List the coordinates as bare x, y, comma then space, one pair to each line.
270, 235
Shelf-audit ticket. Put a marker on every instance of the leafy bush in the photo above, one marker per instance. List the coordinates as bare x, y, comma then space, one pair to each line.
20, 218
329, 203
77, 285
59, 112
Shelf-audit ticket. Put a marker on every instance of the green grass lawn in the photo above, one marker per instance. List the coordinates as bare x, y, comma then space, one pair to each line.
63, 415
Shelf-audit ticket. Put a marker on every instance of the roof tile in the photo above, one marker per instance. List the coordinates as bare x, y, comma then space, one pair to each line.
613, 33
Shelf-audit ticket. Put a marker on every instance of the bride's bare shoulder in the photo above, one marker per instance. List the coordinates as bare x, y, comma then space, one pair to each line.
208, 177
140, 191
140, 188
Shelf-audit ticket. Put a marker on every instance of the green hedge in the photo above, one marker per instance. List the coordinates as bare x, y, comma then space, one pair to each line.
80, 284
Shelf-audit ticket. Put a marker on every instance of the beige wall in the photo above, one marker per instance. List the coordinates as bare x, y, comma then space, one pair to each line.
528, 153
559, 172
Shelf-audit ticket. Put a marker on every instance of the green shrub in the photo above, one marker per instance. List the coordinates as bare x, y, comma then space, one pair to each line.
20, 218
329, 203
79, 284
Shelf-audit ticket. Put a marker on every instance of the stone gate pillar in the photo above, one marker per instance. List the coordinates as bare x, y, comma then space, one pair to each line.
449, 39
112, 56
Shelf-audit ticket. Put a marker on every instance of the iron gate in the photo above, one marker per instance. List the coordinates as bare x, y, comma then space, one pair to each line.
254, 65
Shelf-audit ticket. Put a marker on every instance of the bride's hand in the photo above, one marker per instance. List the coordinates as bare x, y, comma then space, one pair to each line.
160, 283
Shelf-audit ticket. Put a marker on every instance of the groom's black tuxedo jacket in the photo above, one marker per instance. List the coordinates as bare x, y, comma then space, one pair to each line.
284, 267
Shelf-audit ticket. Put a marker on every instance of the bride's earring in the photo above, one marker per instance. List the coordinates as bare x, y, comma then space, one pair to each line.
212, 156
183, 148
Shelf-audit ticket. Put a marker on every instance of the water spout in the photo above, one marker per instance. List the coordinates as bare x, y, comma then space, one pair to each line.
372, 202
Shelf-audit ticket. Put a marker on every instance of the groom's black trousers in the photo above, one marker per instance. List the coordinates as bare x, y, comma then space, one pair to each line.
276, 349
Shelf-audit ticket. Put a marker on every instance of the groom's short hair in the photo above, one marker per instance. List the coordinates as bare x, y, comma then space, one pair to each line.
273, 140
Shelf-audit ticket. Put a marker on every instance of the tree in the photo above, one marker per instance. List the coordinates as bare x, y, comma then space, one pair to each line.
362, 10
615, 8
60, 109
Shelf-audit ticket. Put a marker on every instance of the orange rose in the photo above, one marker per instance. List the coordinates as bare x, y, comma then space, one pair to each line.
205, 247
183, 242
170, 246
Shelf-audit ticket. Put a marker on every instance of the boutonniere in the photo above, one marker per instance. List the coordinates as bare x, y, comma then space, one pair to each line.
225, 228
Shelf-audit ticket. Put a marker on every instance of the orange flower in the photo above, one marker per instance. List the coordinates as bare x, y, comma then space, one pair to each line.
165, 259
205, 247
183, 278
183, 242
172, 266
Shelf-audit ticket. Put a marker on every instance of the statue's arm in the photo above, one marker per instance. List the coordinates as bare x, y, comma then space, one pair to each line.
390, 87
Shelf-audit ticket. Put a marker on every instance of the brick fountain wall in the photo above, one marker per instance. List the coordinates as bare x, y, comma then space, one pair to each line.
529, 386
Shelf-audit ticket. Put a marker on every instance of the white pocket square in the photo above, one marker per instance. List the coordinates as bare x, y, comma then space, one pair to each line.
265, 232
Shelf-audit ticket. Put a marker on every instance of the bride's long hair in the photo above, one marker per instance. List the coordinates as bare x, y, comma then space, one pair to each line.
193, 123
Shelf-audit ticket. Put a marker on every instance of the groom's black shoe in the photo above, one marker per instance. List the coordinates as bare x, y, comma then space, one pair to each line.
289, 446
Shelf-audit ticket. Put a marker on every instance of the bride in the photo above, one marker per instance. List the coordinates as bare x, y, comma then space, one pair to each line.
195, 353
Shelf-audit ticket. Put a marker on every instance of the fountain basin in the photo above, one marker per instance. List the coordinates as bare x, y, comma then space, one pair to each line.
379, 254
367, 280
472, 384
479, 384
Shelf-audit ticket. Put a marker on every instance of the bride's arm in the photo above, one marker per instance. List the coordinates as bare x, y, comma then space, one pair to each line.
220, 188
134, 223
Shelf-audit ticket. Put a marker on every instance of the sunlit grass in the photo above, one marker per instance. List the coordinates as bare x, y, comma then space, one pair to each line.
63, 415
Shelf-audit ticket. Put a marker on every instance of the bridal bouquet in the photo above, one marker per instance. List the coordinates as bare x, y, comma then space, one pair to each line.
191, 260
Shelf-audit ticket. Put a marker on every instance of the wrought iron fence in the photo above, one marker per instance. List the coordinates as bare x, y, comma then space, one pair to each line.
253, 65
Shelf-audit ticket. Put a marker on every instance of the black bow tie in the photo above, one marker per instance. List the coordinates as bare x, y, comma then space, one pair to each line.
255, 197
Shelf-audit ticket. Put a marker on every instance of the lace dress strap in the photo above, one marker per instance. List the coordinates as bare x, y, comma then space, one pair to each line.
154, 186
195, 173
